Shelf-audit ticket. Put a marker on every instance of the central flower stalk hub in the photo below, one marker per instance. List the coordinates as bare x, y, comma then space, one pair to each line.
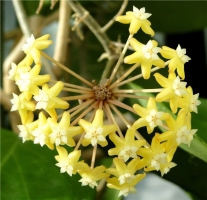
102, 92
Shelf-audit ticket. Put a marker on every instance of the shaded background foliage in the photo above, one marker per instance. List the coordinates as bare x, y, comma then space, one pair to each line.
179, 22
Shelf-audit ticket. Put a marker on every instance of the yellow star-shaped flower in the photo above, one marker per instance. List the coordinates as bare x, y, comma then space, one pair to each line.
25, 130
124, 173
29, 81
179, 130
33, 46
137, 19
96, 132
156, 157
150, 117
62, 132
47, 99
16, 70
91, 176
190, 101
126, 147
69, 162
23, 105
125, 188
173, 90
42, 132
146, 55
177, 59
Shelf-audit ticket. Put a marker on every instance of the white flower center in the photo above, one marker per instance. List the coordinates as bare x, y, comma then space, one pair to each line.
179, 87
88, 181
140, 13
166, 168
128, 152
12, 71
158, 160
194, 102
24, 81
154, 118
125, 191
58, 136
24, 133
65, 167
42, 100
181, 54
16, 102
29, 44
95, 135
150, 52
126, 178
184, 135
39, 136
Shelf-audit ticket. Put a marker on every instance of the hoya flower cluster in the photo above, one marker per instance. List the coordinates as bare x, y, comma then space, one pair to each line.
93, 121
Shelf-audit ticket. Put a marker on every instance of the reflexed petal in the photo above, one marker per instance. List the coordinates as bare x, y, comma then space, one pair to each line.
58, 103
35, 53
136, 45
56, 89
74, 156
146, 68
125, 19
28, 60
62, 153
180, 70
35, 70
98, 119
103, 143
166, 136
155, 145
129, 137
52, 113
43, 44
107, 129
134, 26
116, 139
28, 105
40, 79
112, 171
132, 165
120, 165
173, 64
174, 104
136, 57
151, 104
143, 112
167, 52
65, 120
158, 63
85, 142
164, 95
44, 37
140, 123
146, 28
164, 82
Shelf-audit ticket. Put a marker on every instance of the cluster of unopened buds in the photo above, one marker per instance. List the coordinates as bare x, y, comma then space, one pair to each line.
93, 120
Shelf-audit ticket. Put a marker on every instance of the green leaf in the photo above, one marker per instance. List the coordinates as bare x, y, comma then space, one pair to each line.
198, 146
28, 171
